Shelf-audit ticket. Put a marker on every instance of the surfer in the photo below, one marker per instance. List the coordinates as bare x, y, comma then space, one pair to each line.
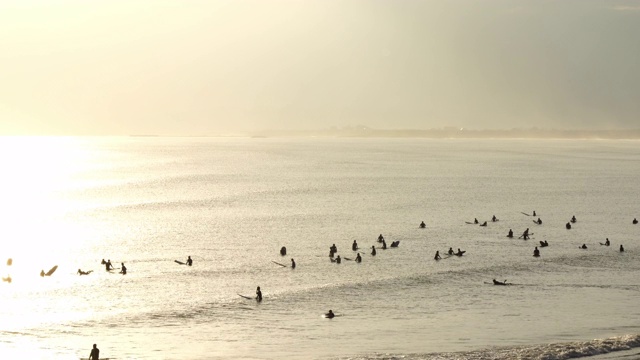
123, 269
384, 245
354, 246
536, 252
496, 282
437, 257
395, 244
539, 222
544, 243
338, 260
573, 219
525, 234
102, 262
484, 224
635, 221
423, 225
258, 294
95, 353
534, 213
334, 248
607, 242
584, 246
475, 220
358, 258
621, 248
283, 251
460, 252
380, 238
450, 252
293, 263
568, 226
494, 218
510, 234
80, 272
373, 250
329, 315
108, 265
189, 261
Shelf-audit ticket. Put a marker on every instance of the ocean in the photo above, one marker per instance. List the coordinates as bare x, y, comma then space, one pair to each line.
233, 203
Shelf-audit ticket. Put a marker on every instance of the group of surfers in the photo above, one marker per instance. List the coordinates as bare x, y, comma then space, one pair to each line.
450, 253
333, 249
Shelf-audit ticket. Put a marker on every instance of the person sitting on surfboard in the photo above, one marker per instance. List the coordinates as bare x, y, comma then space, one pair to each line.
568, 226
258, 294
584, 246
358, 258
496, 282
293, 264
621, 248
437, 257
573, 219
102, 262
330, 314
494, 218
534, 213
189, 261
635, 221
423, 225
123, 269
460, 252
475, 220
354, 246
510, 235
373, 250
338, 260
108, 265
95, 353
80, 272
607, 242
539, 222
450, 252
380, 238
536, 252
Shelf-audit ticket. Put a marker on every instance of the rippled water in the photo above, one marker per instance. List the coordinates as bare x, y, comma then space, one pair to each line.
233, 203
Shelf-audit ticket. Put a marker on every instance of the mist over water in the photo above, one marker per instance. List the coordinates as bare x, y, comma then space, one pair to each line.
231, 204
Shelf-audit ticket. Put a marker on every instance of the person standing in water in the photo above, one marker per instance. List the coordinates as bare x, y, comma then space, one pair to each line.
293, 264
95, 353
258, 294
123, 269
189, 261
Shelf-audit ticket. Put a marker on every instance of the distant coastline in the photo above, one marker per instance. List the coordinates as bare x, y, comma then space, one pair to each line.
456, 133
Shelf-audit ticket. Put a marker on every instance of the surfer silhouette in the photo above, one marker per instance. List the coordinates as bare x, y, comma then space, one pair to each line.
123, 269
330, 314
373, 250
189, 261
95, 353
293, 264
258, 295
437, 257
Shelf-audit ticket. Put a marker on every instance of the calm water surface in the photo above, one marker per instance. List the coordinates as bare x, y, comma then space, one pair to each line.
231, 204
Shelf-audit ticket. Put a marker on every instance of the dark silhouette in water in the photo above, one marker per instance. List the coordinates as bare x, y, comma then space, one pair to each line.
635, 221
584, 246
621, 248
450, 252
358, 258
534, 213
258, 294
475, 220
544, 243
510, 234
123, 269
190, 262
536, 252
606, 243
283, 251
494, 218
80, 272
384, 245
380, 238
293, 264
330, 314
460, 252
525, 235
496, 282
354, 246
95, 353
373, 250
395, 244
573, 219
423, 225
484, 224
568, 226
437, 257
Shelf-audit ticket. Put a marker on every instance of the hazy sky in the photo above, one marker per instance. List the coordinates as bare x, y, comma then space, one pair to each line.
180, 67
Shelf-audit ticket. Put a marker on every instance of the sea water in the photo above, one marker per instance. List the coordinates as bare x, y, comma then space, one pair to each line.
232, 203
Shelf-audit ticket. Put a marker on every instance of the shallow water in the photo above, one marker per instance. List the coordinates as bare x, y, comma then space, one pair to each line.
233, 203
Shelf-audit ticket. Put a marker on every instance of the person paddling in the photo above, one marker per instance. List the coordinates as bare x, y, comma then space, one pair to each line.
496, 282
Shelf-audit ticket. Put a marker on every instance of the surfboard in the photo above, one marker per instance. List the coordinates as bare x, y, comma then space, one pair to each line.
179, 262
277, 263
246, 297
469, 222
525, 213
51, 271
